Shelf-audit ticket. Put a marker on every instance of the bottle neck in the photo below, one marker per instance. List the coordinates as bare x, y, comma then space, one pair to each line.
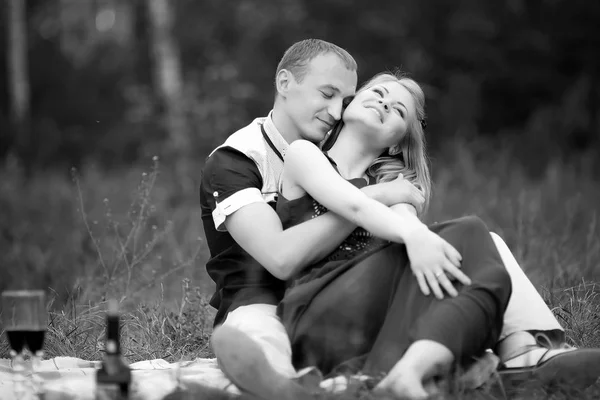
113, 345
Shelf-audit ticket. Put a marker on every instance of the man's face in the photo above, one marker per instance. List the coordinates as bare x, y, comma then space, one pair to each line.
315, 104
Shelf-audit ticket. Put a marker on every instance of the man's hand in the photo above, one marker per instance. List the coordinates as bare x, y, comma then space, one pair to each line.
399, 190
432, 260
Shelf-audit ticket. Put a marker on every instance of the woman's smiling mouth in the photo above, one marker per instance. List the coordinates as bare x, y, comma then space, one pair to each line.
376, 111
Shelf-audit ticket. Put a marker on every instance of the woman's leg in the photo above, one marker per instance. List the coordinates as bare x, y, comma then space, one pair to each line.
533, 339
378, 301
343, 319
444, 331
526, 316
526, 310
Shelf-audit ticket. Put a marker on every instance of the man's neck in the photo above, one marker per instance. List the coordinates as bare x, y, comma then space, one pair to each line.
352, 156
285, 127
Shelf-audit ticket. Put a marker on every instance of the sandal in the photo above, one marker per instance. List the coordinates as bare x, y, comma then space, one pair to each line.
578, 368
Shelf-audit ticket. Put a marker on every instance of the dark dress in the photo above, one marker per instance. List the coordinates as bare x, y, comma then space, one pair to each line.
361, 307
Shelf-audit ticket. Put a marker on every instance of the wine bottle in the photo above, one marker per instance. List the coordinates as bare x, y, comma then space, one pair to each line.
114, 376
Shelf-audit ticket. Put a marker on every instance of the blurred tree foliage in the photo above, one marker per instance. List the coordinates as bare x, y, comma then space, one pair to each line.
520, 72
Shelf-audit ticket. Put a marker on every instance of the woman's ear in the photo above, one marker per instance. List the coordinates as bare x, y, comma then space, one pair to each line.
392, 151
395, 151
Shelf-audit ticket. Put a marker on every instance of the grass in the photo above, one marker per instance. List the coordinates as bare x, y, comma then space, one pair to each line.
87, 240
87, 237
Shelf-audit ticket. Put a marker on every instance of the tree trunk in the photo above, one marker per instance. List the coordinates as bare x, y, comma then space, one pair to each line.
168, 83
18, 78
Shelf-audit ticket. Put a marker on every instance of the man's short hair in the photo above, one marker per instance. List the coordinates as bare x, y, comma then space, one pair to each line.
297, 57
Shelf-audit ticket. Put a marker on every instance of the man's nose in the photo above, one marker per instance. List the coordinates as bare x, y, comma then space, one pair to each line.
335, 109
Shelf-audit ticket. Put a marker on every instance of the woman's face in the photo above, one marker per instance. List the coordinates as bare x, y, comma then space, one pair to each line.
385, 109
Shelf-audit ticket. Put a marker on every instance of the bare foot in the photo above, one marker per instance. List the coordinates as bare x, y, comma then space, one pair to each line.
403, 384
422, 361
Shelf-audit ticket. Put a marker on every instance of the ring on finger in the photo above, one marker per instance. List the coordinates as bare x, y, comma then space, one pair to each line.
439, 274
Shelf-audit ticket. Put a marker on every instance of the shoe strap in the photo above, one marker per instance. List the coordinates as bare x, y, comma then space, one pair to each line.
526, 349
543, 340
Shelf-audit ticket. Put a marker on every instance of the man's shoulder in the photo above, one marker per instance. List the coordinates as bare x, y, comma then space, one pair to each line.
233, 164
245, 139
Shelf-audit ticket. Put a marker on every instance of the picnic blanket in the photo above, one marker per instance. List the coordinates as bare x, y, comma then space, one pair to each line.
74, 378
152, 379
69, 378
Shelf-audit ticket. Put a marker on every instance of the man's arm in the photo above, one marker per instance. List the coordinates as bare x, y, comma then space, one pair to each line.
258, 230
256, 227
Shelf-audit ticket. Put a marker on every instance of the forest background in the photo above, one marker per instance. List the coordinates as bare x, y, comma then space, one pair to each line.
108, 109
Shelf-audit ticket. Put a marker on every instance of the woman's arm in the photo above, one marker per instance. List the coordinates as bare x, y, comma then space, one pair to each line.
308, 168
257, 229
426, 281
430, 255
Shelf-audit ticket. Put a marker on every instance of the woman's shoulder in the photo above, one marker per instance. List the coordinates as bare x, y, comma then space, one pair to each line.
302, 152
303, 147
304, 158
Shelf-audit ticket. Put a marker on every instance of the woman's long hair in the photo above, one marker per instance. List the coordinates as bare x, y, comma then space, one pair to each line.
409, 156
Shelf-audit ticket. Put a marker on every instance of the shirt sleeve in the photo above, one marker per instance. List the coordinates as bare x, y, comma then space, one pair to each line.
230, 181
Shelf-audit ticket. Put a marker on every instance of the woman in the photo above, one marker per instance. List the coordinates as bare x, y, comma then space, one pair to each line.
362, 308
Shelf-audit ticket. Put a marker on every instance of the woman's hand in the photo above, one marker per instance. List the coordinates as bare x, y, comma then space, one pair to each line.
433, 261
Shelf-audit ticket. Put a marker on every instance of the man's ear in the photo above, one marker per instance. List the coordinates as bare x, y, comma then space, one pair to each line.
283, 80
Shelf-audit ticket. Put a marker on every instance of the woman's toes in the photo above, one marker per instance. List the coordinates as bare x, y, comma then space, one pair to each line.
404, 386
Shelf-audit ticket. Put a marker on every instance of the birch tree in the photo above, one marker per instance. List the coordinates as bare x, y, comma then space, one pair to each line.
168, 82
18, 79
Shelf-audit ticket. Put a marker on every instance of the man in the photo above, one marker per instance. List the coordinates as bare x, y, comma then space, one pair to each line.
237, 195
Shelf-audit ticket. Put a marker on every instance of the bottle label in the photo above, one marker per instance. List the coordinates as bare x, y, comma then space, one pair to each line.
111, 347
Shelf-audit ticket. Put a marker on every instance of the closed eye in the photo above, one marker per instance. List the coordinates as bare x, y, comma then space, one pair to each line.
400, 111
378, 91
327, 95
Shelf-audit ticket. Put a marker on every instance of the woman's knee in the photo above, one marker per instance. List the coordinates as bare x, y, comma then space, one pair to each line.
503, 277
474, 222
501, 284
472, 226
497, 239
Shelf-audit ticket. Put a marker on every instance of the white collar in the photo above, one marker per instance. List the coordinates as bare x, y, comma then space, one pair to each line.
274, 135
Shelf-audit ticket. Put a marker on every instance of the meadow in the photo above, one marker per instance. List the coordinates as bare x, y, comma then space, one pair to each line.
87, 235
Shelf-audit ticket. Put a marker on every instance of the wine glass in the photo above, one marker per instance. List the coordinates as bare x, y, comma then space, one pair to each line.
24, 318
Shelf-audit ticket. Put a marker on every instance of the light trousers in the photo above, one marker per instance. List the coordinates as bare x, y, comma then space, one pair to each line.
526, 310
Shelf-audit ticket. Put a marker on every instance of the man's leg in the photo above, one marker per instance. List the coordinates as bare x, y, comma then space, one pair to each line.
261, 323
254, 351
